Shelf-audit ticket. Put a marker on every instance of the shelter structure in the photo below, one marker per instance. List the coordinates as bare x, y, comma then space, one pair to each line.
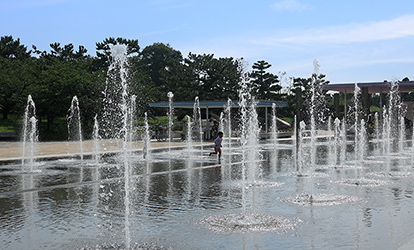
219, 104
369, 88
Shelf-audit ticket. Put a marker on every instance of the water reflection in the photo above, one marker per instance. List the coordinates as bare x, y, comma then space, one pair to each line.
184, 202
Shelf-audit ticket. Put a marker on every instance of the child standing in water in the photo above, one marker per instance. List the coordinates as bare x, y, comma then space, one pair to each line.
217, 145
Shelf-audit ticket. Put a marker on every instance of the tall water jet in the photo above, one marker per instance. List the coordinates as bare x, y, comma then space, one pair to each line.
402, 135
274, 126
249, 138
243, 95
29, 132
197, 124
343, 143
170, 96
221, 122
395, 111
357, 92
274, 138
189, 135
96, 139
114, 120
377, 131
253, 143
227, 124
337, 140
301, 148
313, 122
412, 146
386, 134
131, 119
330, 143
147, 138
317, 110
295, 141
74, 124
117, 116
363, 136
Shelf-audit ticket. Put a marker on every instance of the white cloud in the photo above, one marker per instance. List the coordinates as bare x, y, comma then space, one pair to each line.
371, 51
360, 32
292, 5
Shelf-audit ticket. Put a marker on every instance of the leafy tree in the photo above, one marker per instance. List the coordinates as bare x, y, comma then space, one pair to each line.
10, 48
212, 78
178, 80
15, 79
62, 74
264, 84
16, 74
163, 66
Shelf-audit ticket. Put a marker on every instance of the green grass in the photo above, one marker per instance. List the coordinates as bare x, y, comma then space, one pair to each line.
12, 124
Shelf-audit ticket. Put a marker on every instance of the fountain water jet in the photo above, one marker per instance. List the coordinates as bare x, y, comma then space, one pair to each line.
96, 139
274, 126
189, 135
227, 126
29, 132
197, 123
357, 145
147, 139
171, 196
119, 112
170, 119
74, 124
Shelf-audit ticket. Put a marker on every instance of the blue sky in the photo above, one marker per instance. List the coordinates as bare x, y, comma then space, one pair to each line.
353, 41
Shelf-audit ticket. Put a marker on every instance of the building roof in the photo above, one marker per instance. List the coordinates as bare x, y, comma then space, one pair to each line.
214, 104
373, 87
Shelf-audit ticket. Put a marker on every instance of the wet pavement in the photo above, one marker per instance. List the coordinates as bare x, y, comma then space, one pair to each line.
10, 151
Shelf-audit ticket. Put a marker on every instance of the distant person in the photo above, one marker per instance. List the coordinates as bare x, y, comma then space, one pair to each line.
217, 145
208, 130
215, 128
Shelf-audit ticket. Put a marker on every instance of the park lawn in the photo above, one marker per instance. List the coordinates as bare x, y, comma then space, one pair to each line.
12, 124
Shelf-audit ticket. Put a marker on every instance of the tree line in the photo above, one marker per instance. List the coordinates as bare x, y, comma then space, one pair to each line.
53, 77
